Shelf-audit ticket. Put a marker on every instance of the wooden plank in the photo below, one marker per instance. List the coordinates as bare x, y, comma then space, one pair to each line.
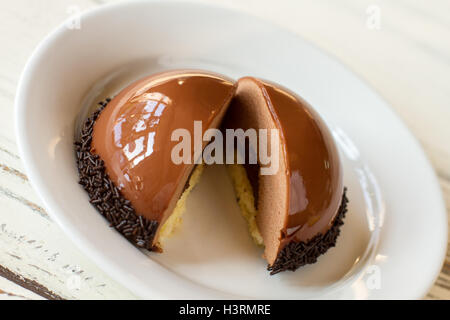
13, 291
28, 284
36, 254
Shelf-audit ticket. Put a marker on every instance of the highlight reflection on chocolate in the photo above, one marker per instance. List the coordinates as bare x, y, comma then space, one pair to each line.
133, 134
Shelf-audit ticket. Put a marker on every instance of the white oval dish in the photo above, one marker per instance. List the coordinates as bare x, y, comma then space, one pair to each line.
394, 239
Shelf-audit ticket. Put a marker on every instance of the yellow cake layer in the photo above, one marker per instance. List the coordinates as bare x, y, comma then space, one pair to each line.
246, 201
175, 219
244, 195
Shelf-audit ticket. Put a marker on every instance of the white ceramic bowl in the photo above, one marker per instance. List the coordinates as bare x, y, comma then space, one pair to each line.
396, 227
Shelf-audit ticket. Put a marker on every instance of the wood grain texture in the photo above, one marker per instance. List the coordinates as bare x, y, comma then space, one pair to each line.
407, 61
34, 250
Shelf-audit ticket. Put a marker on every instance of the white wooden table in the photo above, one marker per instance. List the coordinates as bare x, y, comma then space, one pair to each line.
404, 55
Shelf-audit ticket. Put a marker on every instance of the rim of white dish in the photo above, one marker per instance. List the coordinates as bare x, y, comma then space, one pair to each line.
86, 246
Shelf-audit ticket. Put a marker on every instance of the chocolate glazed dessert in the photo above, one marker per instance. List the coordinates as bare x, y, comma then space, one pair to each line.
296, 213
124, 158
125, 151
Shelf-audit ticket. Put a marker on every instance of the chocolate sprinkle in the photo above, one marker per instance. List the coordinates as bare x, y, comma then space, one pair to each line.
298, 254
103, 193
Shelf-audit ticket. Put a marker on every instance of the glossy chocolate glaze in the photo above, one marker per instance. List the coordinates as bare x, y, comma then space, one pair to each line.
314, 167
133, 133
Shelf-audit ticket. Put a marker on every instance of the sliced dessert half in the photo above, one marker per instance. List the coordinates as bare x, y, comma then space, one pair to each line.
295, 212
126, 151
